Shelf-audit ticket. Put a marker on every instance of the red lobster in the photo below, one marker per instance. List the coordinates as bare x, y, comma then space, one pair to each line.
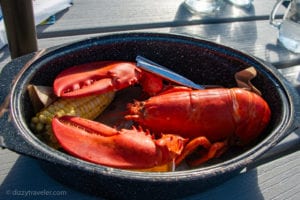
181, 120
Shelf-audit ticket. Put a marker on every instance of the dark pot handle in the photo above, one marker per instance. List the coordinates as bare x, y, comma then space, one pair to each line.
291, 83
291, 78
292, 75
9, 135
291, 137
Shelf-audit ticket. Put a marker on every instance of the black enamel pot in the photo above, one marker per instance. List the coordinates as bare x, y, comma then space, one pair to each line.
201, 61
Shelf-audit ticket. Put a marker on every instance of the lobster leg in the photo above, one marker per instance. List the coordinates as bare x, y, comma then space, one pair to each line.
127, 149
211, 150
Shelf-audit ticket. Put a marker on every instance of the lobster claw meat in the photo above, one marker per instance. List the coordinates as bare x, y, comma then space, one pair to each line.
103, 76
127, 149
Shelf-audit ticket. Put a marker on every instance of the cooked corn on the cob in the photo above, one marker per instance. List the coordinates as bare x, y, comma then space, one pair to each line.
87, 107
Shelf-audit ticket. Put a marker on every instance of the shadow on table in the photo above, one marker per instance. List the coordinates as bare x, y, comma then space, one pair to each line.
41, 29
4, 53
285, 57
244, 186
232, 31
26, 180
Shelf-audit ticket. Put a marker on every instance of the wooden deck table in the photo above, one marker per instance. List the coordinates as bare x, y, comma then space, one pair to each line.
277, 175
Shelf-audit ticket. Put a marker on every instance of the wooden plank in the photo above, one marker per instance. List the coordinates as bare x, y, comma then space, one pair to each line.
93, 16
278, 179
257, 38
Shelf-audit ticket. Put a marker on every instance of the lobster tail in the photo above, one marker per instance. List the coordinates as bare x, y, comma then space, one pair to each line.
251, 114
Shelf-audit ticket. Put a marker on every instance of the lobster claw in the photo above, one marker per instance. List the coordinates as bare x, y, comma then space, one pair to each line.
127, 149
102, 76
95, 78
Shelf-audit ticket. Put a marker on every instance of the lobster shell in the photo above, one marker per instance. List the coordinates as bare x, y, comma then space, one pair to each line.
127, 149
217, 114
